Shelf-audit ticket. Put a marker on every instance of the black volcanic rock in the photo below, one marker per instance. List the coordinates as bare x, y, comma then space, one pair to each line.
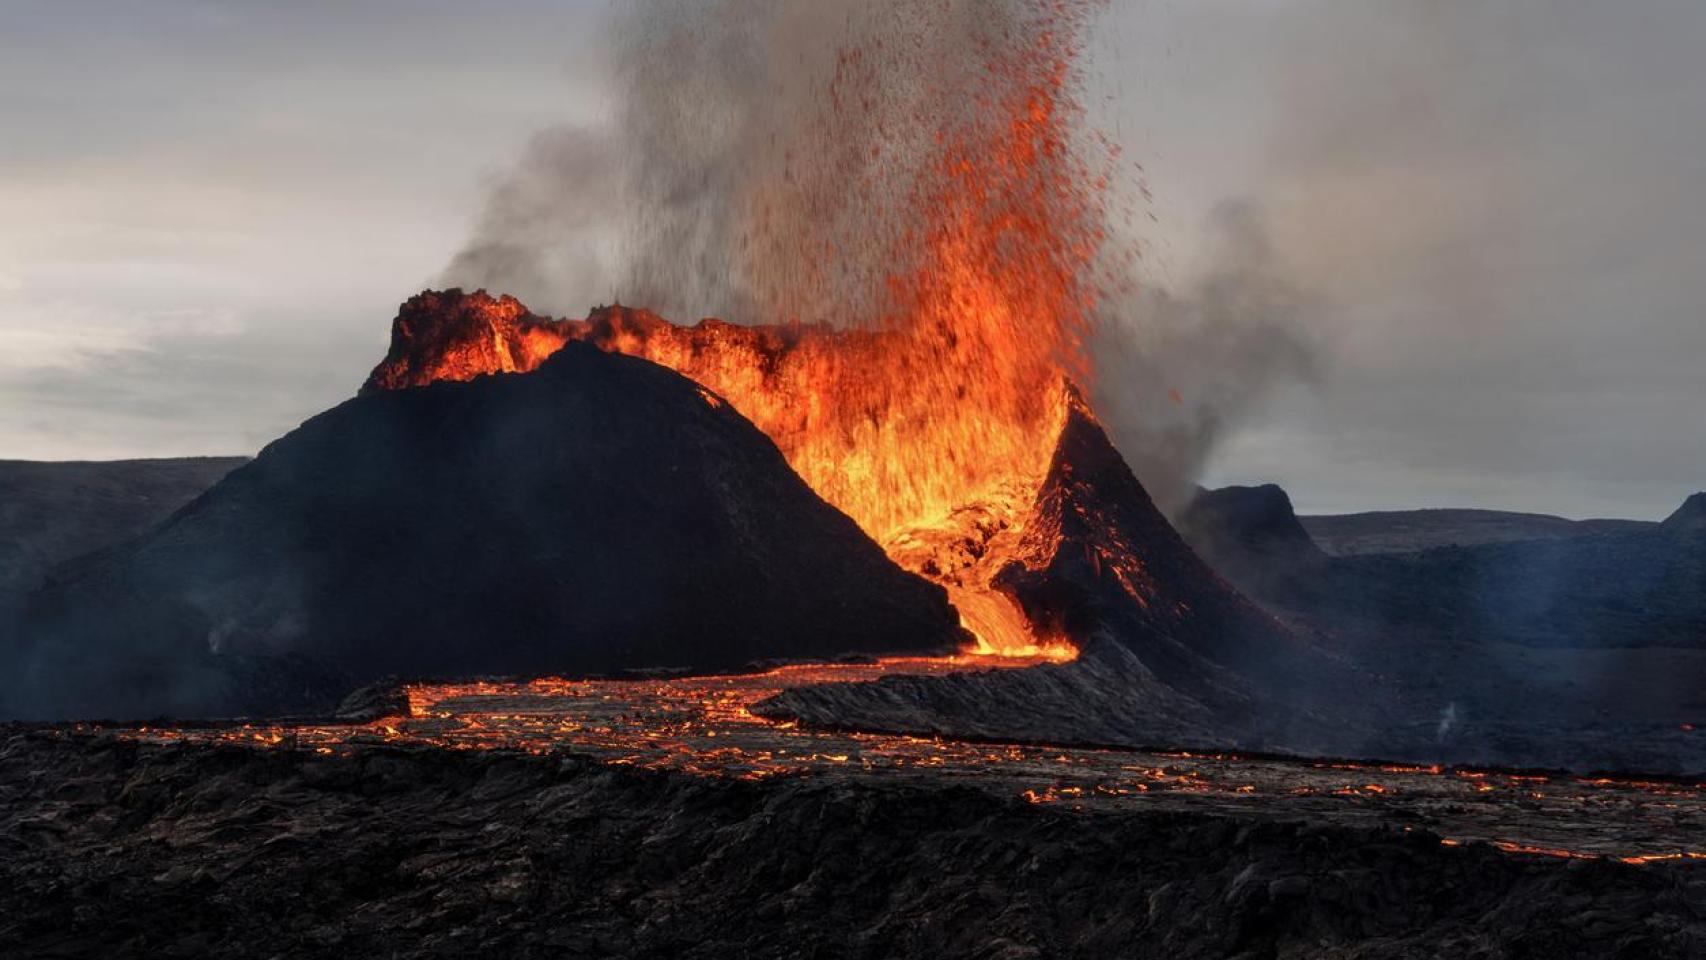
601, 513
1568, 649
119, 850
1629, 585
1258, 520
1584, 653
1690, 518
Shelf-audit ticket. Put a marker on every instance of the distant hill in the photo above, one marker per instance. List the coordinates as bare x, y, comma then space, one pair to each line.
1583, 646
1251, 536
1478, 575
1644, 589
1404, 531
53, 511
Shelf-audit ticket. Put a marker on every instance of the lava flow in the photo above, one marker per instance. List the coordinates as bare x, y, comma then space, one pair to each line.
705, 726
930, 422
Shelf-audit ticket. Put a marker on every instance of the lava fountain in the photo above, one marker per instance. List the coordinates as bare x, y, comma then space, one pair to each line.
932, 421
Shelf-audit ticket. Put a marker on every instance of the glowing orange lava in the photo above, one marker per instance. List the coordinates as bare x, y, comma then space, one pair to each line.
712, 726
931, 424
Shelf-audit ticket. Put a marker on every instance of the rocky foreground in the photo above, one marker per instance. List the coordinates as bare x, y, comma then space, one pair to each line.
114, 848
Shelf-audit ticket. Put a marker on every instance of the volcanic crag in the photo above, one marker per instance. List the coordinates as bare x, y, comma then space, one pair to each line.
600, 514
1251, 536
1688, 519
1068, 554
933, 440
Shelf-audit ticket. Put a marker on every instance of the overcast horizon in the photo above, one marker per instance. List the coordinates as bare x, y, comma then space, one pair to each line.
1492, 221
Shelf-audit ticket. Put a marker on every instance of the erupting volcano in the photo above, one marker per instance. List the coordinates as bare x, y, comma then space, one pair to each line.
901, 429
795, 601
931, 423
932, 392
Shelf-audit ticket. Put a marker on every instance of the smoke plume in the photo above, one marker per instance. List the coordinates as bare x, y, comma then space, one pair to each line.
1178, 370
759, 164
543, 236
768, 161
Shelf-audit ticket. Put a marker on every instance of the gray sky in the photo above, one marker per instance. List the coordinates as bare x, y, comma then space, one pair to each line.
1495, 213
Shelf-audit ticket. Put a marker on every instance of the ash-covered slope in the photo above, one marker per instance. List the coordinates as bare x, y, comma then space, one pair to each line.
1631, 584
1103, 561
51, 512
1628, 591
1171, 652
600, 513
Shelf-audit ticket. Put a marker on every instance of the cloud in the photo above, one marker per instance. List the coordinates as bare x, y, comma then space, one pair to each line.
1493, 208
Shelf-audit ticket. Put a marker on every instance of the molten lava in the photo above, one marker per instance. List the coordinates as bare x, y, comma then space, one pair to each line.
944, 484
931, 424
704, 726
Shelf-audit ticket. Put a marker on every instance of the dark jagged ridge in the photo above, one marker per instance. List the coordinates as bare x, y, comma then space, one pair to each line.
1106, 562
1257, 520
600, 513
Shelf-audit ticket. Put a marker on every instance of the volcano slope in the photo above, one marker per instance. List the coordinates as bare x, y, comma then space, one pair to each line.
599, 514
1171, 654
